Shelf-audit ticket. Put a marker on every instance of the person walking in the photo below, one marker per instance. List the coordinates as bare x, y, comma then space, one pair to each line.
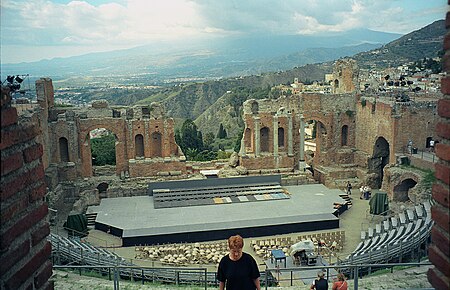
238, 270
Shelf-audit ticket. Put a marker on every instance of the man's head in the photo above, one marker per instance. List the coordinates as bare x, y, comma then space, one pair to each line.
235, 244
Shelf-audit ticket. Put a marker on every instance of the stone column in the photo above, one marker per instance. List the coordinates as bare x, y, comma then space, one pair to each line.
275, 135
290, 135
301, 162
257, 137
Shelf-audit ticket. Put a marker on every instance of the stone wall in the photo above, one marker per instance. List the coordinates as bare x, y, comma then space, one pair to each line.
333, 113
73, 126
345, 76
421, 163
156, 167
24, 249
439, 250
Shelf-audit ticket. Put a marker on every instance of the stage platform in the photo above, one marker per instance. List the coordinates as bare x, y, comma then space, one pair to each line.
137, 222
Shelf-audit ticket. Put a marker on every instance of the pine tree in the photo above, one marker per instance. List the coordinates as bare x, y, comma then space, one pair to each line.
222, 132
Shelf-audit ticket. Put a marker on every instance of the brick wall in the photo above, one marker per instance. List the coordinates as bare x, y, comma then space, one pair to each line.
439, 251
24, 250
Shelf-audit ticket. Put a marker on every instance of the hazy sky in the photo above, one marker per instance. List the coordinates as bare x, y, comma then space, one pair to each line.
37, 29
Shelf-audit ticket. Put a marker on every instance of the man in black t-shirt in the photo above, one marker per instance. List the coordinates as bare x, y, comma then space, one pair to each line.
320, 283
238, 270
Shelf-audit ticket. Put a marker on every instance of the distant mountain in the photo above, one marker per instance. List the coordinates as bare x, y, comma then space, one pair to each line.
222, 107
220, 57
425, 42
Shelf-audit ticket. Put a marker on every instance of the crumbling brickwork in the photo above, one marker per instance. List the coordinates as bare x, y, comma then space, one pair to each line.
144, 137
345, 76
24, 249
439, 250
331, 112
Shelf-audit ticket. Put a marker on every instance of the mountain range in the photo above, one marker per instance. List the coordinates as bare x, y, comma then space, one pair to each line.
216, 58
238, 69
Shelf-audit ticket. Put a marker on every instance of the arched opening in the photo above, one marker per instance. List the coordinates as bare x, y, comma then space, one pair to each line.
379, 160
102, 187
281, 137
156, 144
103, 151
264, 139
401, 191
255, 108
63, 150
336, 84
139, 145
427, 144
344, 135
248, 140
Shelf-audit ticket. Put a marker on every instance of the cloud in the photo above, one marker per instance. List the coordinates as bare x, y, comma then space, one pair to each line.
316, 16
134, 22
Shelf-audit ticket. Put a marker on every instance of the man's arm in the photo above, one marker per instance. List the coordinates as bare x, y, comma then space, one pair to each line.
222, 285
257, 284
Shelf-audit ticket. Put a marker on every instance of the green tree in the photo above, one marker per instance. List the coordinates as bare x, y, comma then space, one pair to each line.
208, 140
191, 142
222, 134
189, 137
237, 144
103, 150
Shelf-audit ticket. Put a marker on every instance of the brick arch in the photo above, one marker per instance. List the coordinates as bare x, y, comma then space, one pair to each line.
380, 158
156, 144
400, 187
248, 140
264, 139
321, 143
63, 146
85, 144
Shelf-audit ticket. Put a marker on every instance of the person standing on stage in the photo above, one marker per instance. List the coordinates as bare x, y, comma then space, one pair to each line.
238, 270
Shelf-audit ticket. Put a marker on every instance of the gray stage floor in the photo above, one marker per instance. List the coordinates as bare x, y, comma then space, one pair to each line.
137, 215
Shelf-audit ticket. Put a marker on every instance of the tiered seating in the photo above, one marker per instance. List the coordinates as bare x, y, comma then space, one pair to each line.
77, 252
394, 237
213, 194
333, 241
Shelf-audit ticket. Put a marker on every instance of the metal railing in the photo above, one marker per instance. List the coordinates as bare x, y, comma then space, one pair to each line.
200, 276
304, 273
176, 276
427, 155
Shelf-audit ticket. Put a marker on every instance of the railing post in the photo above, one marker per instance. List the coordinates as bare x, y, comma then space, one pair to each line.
206, 279
142, 273
292, 274
355, 281
265, 278
116, 280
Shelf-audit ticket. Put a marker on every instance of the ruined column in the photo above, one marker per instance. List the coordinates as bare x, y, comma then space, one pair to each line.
301, 162
275, 135
257, 137
290, 135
